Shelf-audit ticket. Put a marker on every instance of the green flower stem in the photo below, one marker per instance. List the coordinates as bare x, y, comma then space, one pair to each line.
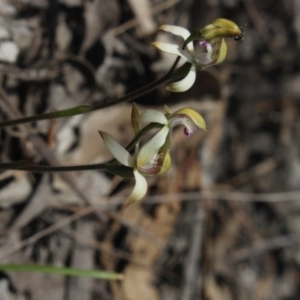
62, 271
33, 167
110, 166
170, 77
120, 170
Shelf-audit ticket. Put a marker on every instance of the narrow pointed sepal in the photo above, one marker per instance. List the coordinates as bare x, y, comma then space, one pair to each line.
176, 30
221, 52
173, 49
184, 84
139, 190
119, 152
166, 164
150, 149
153, 116
167, 110
179, 31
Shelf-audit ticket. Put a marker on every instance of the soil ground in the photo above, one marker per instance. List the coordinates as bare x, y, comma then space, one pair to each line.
222, 224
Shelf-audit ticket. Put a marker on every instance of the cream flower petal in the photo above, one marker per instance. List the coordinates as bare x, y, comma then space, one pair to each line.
139, 190
187, 117
179, 31
176, 30
184, 84
150, 149
153, 116
173, 49
119, 152
166, 164
222, 52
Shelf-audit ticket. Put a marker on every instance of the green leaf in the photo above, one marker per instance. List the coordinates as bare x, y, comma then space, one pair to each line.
62, 271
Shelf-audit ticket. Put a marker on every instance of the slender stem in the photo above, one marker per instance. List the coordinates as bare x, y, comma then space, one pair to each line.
88, 108
109, 166
169, 77
135, 94
33, 167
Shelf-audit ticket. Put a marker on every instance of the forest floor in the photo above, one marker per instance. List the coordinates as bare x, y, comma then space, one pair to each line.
222, 224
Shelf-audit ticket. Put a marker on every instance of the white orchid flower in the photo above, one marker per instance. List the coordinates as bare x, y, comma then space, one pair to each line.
215, 53
153, 160
154, 157
213, 40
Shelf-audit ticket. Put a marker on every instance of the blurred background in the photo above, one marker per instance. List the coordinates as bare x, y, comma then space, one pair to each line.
222, 224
